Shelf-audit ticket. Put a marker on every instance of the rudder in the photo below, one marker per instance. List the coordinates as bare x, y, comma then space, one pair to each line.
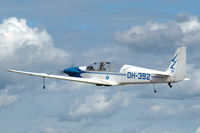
177, 67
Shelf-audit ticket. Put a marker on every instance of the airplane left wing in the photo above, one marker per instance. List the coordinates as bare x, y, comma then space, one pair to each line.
83, 80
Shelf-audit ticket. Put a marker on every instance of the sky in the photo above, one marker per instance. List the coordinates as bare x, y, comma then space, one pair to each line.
49, 36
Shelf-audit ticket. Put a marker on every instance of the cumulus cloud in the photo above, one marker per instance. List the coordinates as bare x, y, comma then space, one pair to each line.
188, 23
99, 104
23, 46
185, 30
27, 48
151, 34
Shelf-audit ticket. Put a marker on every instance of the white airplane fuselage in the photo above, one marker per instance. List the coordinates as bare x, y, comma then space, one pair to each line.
127, 75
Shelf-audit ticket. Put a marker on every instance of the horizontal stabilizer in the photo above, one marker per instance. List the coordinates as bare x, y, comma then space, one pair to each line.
164, 74
186, 79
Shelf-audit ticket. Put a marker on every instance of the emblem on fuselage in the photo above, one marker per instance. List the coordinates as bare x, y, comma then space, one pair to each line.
107, 77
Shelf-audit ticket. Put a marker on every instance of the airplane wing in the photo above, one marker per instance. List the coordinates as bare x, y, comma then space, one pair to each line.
84, 80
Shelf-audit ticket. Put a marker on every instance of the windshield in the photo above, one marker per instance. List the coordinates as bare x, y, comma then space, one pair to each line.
103, 66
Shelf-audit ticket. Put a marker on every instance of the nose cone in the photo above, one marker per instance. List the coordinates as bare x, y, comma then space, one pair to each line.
73, 71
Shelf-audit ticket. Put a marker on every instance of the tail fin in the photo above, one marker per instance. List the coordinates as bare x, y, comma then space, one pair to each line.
177, 67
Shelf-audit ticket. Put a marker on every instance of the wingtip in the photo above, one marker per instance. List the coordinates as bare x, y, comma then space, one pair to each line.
8, 70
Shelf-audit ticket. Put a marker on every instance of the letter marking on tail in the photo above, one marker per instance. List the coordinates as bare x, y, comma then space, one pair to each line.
174, 60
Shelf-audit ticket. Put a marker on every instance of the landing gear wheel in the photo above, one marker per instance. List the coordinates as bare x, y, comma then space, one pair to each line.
44, 83
170, 84
154, 88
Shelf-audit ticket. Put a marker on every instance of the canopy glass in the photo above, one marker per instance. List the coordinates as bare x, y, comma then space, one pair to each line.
103, 66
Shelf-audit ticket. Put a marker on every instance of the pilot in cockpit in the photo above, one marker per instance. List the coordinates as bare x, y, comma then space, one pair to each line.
101, 66
90, 68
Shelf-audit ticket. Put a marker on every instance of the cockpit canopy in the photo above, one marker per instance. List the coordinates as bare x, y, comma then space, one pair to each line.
103, 66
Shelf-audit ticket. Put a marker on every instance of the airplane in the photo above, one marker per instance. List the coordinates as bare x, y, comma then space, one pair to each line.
104, 74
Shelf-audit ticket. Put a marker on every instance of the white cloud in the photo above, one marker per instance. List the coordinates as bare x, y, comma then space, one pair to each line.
150, 34
99, 104
185, 30
25, 48
189, 23
21, 45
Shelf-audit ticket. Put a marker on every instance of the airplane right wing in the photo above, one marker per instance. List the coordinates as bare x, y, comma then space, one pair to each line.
83, 80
